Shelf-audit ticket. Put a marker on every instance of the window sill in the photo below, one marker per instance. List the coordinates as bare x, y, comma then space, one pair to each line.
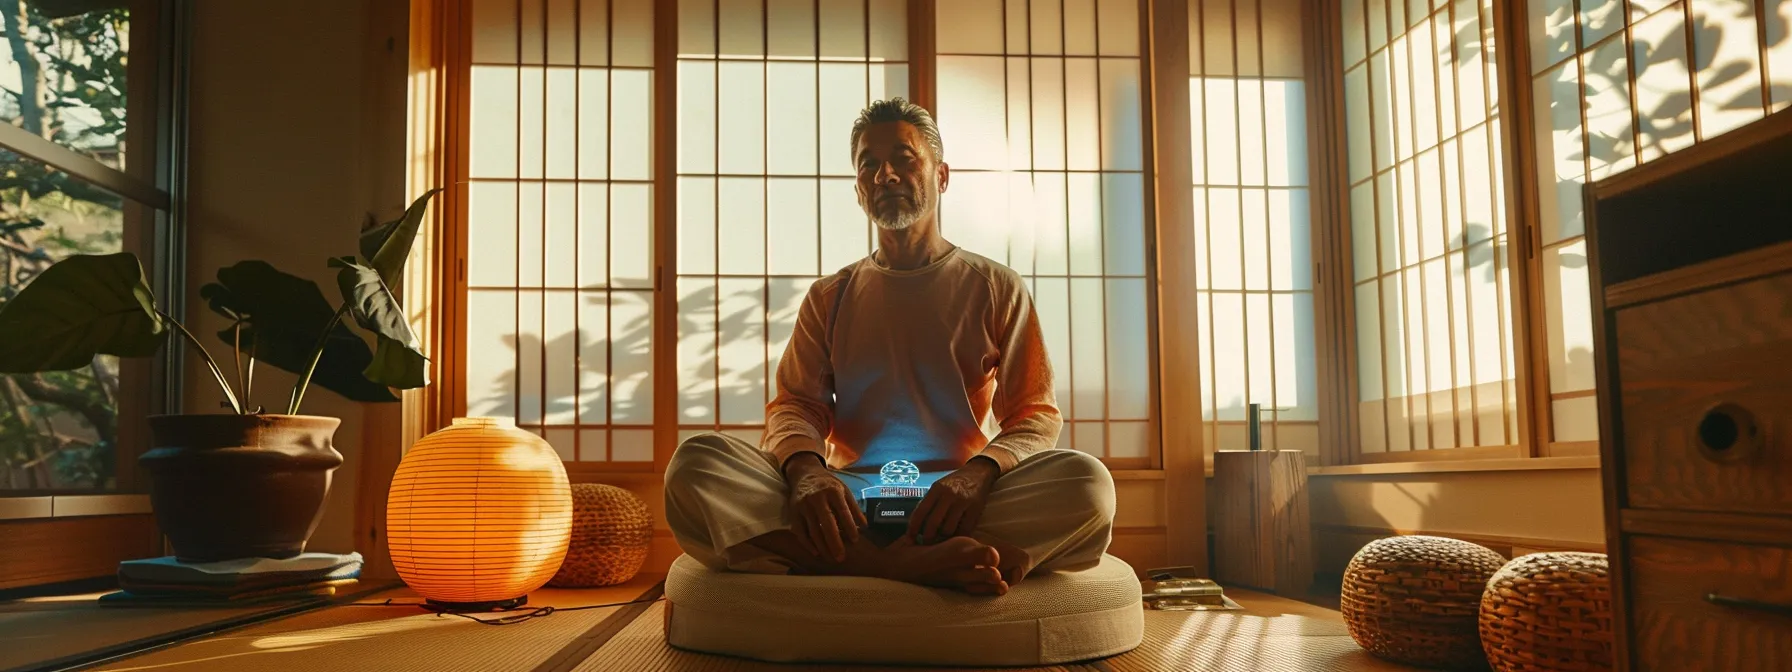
1448, 466
71, 506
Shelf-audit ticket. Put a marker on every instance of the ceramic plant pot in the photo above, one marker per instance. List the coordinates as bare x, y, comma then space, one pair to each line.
229, 486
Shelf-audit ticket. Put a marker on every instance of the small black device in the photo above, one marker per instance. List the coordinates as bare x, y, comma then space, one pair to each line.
892, 502
894, 511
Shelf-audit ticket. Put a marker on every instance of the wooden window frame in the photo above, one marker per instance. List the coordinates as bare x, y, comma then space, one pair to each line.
1153, 459
440, 104
1525, 181
1516, 173
1521, 178
436, 279
149, 188
716, 178
439, 99
1315, 188
443, 116
75, 535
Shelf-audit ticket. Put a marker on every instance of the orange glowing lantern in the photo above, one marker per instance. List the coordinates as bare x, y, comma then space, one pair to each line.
479, 515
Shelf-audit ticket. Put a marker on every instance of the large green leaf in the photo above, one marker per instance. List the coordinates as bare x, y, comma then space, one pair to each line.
82, 306
385, 247
398, 359
284, 315
397, 365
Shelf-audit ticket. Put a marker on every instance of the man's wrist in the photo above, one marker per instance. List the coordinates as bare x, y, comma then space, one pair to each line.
801, 461
985, 466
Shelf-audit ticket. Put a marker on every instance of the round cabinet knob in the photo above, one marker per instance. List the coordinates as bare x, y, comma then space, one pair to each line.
1728, 433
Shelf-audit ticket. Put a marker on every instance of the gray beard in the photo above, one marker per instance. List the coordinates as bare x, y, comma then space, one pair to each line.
902, 221
903, 218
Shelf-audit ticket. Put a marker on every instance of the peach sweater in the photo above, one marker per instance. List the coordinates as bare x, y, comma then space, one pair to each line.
913, 364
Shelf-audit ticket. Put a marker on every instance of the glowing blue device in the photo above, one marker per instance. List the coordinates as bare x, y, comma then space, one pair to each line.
894, 499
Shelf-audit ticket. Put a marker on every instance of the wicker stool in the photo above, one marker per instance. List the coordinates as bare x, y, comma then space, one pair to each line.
1414, 600
1549, 612
611, 530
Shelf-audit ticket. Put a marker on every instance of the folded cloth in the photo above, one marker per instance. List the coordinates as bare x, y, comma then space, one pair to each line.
241, 572
258, 583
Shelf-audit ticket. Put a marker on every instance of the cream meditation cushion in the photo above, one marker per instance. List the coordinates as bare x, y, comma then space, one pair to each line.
1050, 618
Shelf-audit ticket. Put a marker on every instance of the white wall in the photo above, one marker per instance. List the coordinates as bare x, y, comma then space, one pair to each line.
1511, 512
1559, 505
297, 124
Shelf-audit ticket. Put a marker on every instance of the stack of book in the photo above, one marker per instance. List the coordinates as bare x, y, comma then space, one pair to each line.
1178, 589
166, 581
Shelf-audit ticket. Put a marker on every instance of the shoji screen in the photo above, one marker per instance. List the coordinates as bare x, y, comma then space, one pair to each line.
1040, 111
767, 93
1247, 107
1617, 84
559, 270
1433, 287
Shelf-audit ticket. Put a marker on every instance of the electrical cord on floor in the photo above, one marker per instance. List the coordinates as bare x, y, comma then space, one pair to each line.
525, 613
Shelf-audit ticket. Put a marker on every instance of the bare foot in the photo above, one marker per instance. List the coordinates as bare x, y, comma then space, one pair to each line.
962, 563
1014, 564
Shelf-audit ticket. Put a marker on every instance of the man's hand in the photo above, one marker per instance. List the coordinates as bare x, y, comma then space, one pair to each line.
954, 504
822, 513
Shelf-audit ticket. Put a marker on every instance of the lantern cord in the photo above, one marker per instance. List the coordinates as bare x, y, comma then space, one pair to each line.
523, 613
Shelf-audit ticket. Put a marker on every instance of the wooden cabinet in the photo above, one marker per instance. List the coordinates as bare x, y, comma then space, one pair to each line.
1708, 376
1691, 264
1676, 627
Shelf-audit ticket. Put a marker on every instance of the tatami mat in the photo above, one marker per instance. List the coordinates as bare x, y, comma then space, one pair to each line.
1272, 635
389, 639
39, 631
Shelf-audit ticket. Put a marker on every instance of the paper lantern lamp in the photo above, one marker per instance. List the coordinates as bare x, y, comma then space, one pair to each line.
479, 515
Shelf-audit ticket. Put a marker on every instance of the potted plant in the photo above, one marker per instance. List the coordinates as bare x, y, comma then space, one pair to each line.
246, 483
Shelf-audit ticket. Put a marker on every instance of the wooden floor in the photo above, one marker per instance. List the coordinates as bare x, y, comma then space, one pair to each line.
1271, 633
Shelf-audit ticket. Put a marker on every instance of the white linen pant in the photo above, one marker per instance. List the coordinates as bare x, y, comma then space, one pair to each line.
721, 492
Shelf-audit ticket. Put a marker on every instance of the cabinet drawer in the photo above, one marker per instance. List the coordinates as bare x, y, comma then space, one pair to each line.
1674, 626
1695, 372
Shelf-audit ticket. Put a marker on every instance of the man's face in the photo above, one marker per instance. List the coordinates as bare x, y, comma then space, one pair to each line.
898, 180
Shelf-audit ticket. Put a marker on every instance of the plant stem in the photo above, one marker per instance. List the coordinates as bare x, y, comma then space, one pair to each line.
249, 385
209, 362
298, 389
236, 356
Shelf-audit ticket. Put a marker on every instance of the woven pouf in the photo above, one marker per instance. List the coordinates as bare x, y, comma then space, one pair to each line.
1415, 600
1549, 612
611, 530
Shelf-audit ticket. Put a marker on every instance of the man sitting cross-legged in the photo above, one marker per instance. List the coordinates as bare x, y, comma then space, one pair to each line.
904, 355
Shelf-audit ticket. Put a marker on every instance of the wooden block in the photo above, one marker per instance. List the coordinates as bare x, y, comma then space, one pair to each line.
49, 550
1143, 550
1262, 533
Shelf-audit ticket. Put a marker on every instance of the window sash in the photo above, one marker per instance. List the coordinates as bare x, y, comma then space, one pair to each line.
922, 84
146, 187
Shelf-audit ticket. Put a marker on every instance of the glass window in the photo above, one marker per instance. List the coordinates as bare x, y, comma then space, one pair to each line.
1432, 293
1254, 279
1608, 100
560, 273
78, 87
58, 429
767, 96
64, 74
1040, 110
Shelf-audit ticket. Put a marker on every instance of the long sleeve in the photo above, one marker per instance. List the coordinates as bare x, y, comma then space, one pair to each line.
1024, 405
804, 406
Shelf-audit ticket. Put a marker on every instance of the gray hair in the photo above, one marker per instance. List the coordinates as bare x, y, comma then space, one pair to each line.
897, 109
